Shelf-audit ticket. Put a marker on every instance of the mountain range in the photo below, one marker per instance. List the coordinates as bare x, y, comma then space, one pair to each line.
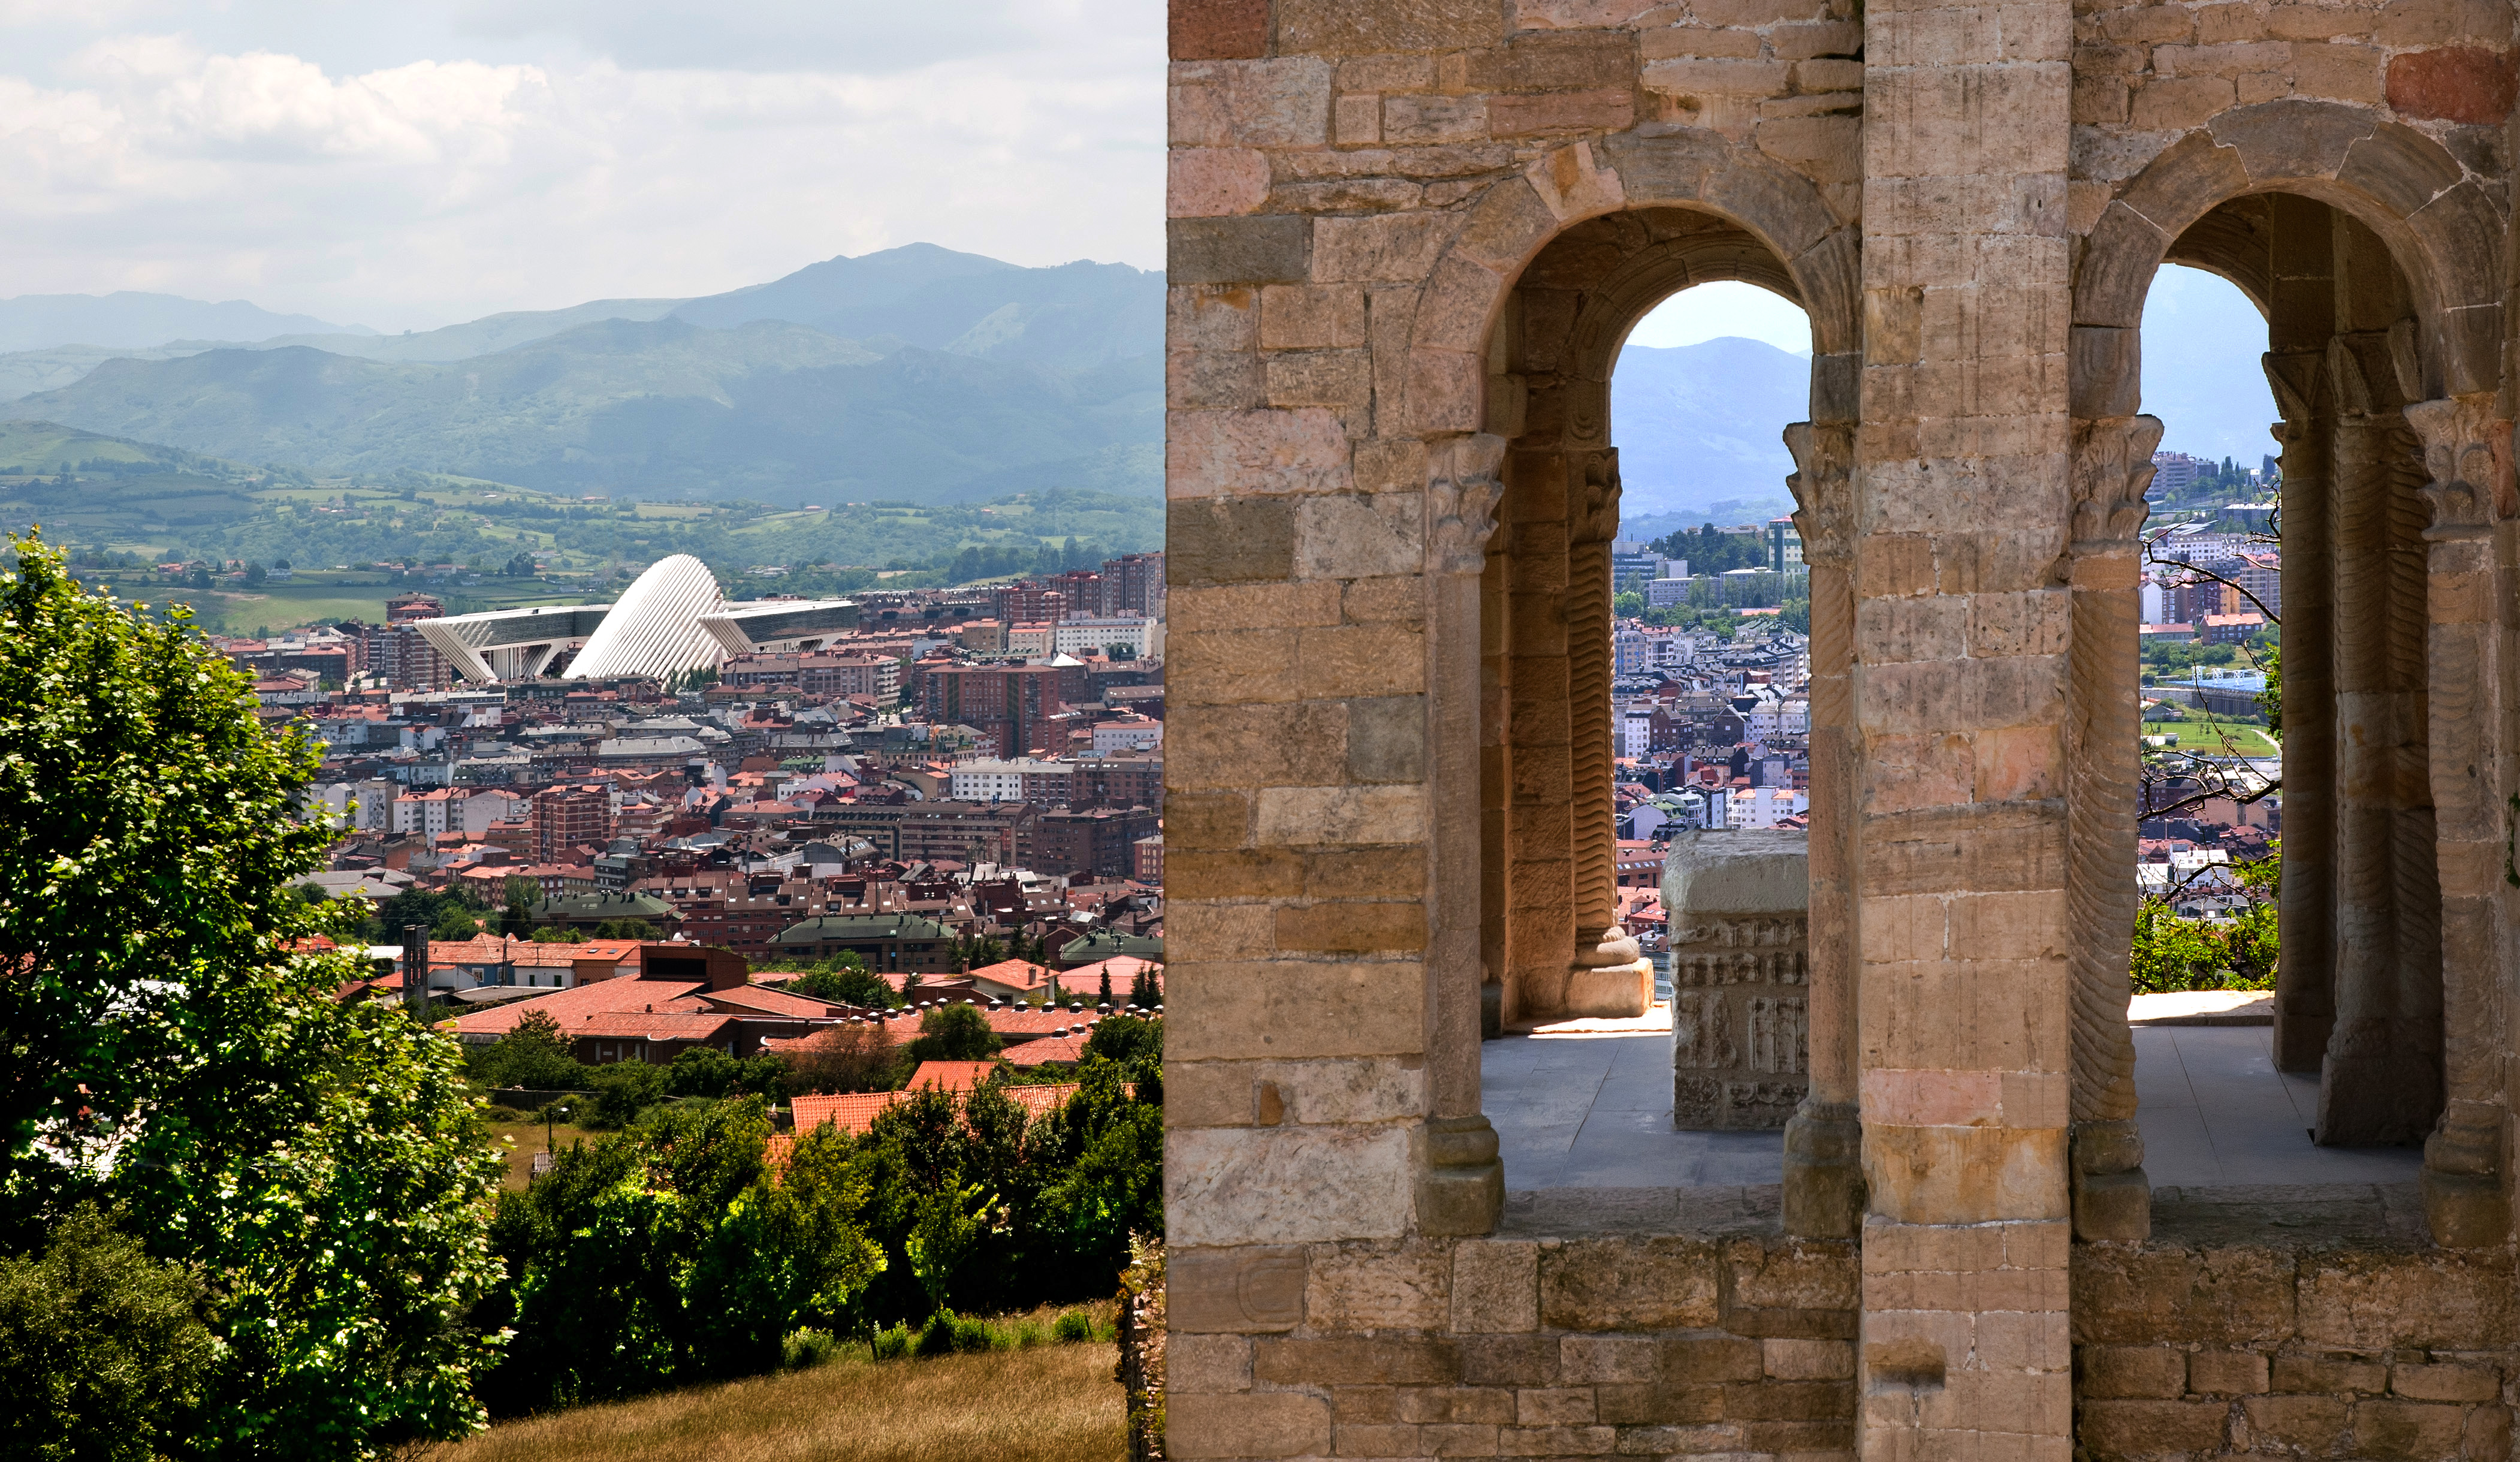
915, 374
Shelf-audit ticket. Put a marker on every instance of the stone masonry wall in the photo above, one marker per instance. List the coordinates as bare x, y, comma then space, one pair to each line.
2203, 1346
1739, 1345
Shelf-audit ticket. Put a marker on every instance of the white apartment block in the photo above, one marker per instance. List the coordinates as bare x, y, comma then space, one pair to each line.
1022, 779
1761, 807
1089, 634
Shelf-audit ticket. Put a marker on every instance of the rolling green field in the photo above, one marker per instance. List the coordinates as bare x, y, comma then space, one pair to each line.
2199, 732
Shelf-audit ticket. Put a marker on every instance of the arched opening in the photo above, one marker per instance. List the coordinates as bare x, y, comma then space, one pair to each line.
1559, 759
2385, 510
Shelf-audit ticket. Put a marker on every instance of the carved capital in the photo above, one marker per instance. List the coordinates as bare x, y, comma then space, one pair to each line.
1593, 506
2112, 469
2463, 468
1463, 486
1823, 502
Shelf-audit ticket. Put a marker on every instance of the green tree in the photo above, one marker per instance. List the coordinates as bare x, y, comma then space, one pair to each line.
521, 894
848, 984
554, 933
160, 1012
101, 1349
625, 929
532, 1055
623, 1090
955, 1032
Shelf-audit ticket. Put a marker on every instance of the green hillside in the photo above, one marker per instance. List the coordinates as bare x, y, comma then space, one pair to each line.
764, 411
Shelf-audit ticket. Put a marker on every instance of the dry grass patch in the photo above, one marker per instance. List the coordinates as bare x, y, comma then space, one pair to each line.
1054, 1405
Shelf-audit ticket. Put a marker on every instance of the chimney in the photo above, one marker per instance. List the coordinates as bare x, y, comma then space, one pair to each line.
415, 968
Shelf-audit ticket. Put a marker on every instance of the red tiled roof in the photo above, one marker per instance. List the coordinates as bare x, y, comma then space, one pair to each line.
771, 1000
950, 1075
856, 1112
661, 1024
1049, 1050
571, 1007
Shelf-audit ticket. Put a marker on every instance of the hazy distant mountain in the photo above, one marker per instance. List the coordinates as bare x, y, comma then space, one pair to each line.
1700, 424
474, 338
1079, 314
132, 320
767, 410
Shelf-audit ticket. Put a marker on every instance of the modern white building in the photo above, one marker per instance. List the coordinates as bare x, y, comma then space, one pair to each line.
671, 620
1090, 634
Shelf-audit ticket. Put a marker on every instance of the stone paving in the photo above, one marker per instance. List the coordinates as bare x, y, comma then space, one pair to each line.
1587, 1105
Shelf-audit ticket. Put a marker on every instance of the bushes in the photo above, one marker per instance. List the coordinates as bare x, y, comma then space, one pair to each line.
843, 1057
956, 1033
623, 1090
707, 1071
674, 1254
949, 1333
99, 1346
532, 1055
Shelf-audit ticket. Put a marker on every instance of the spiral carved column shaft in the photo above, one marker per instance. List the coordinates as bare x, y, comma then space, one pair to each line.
2112, 468
1609, 974
2463, 1156
1823, 1181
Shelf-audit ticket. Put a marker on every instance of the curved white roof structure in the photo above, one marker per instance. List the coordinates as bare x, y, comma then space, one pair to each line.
654, 628
671, 620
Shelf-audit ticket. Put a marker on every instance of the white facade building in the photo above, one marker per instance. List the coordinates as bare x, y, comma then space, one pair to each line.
1090, 634
1761, 807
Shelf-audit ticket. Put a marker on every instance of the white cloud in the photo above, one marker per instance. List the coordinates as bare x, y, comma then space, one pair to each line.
438, 189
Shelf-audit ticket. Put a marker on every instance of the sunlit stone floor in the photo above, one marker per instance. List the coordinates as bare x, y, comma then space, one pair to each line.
1587, 1105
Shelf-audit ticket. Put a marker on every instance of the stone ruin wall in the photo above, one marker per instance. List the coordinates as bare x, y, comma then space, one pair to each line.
1356, 185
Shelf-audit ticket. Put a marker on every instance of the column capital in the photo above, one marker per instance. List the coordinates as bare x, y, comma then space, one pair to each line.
1464, 485
1592, 503
2466, 461
1823, 509
2112, 469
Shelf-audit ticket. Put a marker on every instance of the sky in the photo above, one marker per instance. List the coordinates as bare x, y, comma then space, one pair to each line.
2202, 340
409, 164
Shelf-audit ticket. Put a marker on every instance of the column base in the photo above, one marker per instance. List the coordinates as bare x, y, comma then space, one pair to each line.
2464, 1206
1619, 991
1824, 1196
2373, 1100
1461, 1190
2113, 1196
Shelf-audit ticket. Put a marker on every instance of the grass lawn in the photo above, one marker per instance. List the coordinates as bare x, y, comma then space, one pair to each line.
529, 1140
2197, 732
1053, 1405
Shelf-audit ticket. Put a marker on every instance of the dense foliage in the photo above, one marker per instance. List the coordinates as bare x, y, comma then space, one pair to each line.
2238, 953
176, 1048
690, 1246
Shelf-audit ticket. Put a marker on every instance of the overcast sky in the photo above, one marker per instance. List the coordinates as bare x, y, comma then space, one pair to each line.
407, 163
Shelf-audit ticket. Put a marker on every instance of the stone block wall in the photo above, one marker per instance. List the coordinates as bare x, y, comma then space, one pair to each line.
1739, 1345
2204, 1348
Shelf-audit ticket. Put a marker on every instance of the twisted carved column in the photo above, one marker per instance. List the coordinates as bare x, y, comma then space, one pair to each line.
1824, 1176
1461, 1188
2112, 468
1609, 974
2463, 1175
2306, 901
2380, 1081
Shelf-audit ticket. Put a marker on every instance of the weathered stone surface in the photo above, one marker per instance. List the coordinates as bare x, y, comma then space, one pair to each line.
2458, 83
1218, 29
1650, 1284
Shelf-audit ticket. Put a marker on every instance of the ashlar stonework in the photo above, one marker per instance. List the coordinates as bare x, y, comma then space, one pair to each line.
1406, 240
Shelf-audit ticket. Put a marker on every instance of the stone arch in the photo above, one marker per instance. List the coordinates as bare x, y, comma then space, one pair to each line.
1511, 353
2386, 333
2444, 229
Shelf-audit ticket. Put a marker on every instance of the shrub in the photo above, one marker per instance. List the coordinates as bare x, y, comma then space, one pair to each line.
843, 1057
99, 1343
956, 1032
805, 1350
623, 1090
894, 1343
701, 1071
533, 1055
936, 1337
849, 984
1073, 1326
1029, 1336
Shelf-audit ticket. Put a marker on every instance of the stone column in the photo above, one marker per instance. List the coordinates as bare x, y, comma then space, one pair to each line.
2112, 468
1962, 470
1461, 1186
1824, 1176
1607, 976
1535, 774
2306, 901
2380, 1082
2462, 1177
